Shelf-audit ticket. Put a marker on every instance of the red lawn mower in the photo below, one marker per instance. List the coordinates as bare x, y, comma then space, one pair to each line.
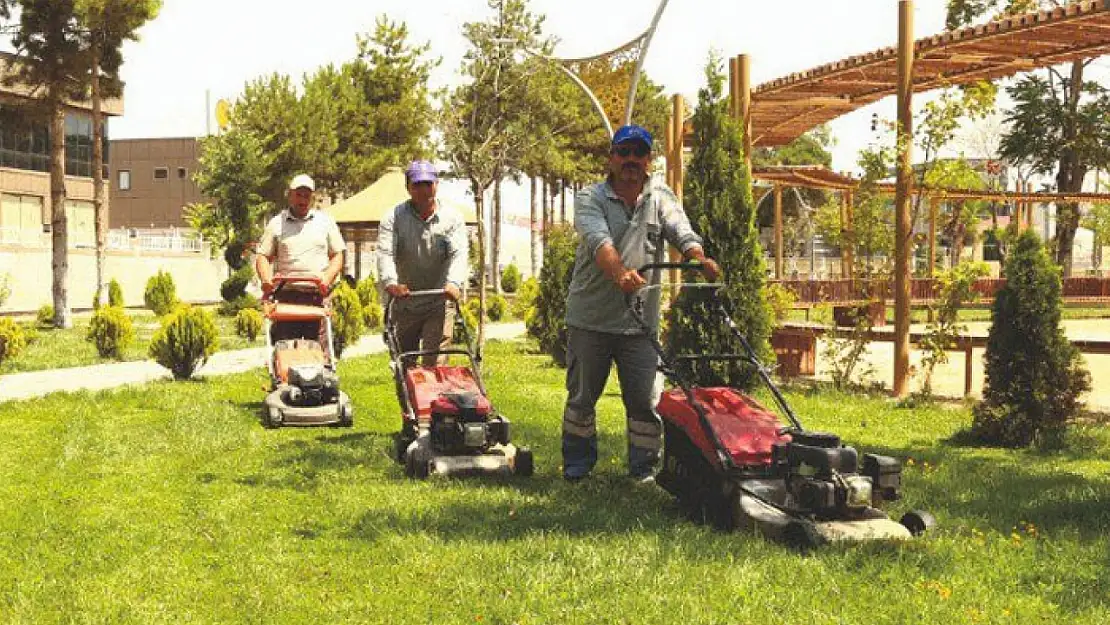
732, 463
448, 424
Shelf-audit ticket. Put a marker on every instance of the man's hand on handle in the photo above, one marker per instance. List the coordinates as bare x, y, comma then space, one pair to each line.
452, 291
400, 291
629, 281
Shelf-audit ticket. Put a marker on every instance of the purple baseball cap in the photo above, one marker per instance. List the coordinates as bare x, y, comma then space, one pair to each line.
421, 171
632, 132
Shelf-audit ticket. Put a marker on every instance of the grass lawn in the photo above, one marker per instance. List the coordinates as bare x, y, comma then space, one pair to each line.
54, 349
169, 503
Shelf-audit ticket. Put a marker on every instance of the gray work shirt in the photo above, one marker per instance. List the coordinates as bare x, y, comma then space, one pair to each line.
422, 254
595, 302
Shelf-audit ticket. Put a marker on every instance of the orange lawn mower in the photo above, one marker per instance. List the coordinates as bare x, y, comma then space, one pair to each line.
732, 463
304, 387
448, 424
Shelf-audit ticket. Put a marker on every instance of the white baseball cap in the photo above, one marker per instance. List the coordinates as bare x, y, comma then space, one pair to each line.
302, 180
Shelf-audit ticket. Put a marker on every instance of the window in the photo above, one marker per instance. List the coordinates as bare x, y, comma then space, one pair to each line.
161, 173
182, 172
125, 180
78, 128
24, 144
21, 212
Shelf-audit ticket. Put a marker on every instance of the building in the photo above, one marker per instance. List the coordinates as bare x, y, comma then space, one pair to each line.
152, 182
25, 207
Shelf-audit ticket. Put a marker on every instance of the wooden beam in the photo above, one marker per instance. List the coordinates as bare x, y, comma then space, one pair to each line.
902, 228
678, 117
933, 205
778, 232
744, 84
848, 254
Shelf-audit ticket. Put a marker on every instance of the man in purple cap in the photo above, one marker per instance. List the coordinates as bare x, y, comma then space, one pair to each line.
623, 223
422, 245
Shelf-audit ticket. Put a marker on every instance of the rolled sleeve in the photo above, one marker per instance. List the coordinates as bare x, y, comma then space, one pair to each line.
676, 226
387, 265
336, 245
590, 222
458, 255
267, 245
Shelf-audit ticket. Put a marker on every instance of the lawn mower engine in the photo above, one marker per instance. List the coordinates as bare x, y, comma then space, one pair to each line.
312, 385
822, 476
461, 424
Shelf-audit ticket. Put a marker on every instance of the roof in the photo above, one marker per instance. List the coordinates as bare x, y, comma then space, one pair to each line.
785, 108
367, 206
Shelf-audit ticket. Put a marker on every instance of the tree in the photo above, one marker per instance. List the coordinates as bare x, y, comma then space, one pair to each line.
54, 65
1035, 377
485, 127
719, 204
233, 170
1059, 121
961, 220
107, 24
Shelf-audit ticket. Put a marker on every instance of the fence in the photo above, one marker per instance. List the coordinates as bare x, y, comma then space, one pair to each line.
181, 241
923, 291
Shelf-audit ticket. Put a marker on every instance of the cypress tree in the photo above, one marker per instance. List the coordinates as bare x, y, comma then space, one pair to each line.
719, 204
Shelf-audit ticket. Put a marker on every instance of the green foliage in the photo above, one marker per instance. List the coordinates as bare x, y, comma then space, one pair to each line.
12, 339
496, 307
186, 339
110, 331
45, 315
236, 285
524, 305
115, 294
248, 323
720, 207
160, 295
780, 300
232, 170
845, 353
955, 289
549, 323
960, 219
469, 312
370, 299
348, 323
510, 279
233, 307
871, 237
5, 288
1034, 376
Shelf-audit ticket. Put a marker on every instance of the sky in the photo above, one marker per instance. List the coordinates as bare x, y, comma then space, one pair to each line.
199, 47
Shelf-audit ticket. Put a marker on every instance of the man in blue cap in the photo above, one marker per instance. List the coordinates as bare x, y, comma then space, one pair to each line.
623, 223
421, 246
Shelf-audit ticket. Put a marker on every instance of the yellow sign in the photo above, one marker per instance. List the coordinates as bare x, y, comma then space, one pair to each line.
223, 113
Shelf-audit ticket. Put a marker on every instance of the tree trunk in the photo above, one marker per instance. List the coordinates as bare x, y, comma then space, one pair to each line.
58, 234
546, 212
495, 253
1069, 177
480, 209
563, 201
99, 214
534, 227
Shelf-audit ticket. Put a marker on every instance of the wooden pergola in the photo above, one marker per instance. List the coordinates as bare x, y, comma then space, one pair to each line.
781, 110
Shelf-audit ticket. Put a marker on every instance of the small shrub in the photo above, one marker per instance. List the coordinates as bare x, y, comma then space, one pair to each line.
781, 300
371, 302
115, 294
248, 323
186, 339
160, 295
347, 317
525, 302
45, 315
469, 311
549, 323
510, 279
12, 339
236, 285
5, 288
956, 287
243, 302
1035, 376
110, 331
496, 307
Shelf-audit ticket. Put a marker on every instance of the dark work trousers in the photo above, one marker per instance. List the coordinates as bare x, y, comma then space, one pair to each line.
315, 330
433, 328
590, 355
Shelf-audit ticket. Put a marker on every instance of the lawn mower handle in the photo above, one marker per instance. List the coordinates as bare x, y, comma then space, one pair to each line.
683, 266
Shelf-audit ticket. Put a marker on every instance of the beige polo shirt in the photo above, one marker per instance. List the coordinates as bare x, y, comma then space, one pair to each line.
301, 246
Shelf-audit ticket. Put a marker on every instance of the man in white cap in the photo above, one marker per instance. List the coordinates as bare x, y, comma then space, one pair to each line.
300, 241
422, 246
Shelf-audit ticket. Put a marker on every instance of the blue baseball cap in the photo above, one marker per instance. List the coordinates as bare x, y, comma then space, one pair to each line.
421, 171
632, 132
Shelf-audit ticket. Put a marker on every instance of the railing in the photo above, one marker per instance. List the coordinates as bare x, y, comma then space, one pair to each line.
922, 291
118, 240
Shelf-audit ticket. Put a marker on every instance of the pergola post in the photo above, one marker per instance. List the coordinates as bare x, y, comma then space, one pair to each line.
744, 85
678, 114
902, 226
778, 231
847, 250
358, 256
934, 203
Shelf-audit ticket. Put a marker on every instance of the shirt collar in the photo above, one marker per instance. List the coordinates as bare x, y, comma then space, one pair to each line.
289, 216
612, 194
434, 217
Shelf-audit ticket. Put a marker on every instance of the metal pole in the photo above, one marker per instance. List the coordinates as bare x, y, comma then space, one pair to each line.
902, 225
630, 102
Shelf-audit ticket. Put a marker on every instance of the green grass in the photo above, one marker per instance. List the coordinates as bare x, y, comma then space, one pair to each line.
53, 349
169, 503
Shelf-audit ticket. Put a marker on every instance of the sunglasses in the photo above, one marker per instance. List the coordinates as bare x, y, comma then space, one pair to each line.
624, 151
